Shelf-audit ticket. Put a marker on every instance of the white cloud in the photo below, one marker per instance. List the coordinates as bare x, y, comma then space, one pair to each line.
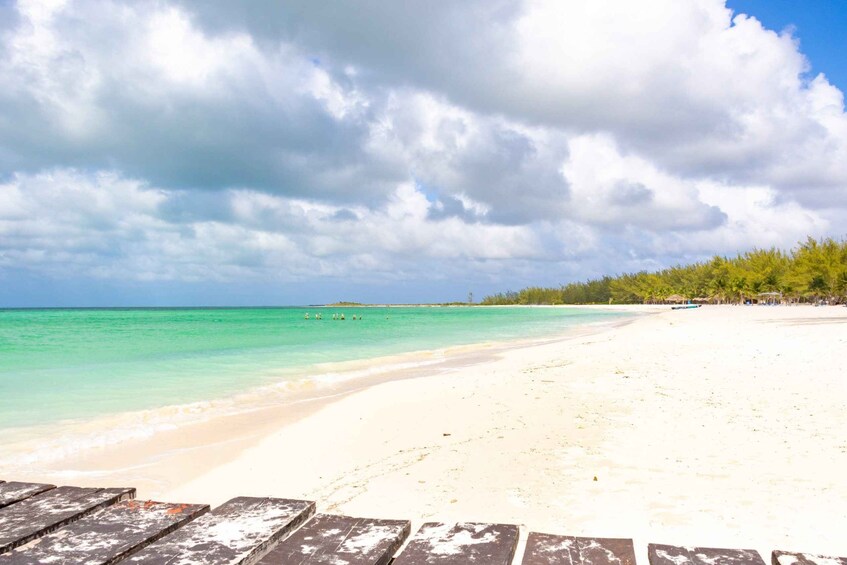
757, 218
613, 190
70, 223
508, 139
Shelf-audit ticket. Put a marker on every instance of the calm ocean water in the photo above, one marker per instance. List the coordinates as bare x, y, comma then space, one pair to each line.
57, 365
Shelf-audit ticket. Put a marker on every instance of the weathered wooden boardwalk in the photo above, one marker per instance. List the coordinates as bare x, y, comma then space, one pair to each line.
43, 524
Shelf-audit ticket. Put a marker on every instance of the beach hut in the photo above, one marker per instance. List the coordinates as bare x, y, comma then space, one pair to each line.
675, 299
770, 297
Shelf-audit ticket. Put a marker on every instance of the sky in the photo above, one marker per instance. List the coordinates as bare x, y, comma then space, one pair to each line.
157, 153
819, 25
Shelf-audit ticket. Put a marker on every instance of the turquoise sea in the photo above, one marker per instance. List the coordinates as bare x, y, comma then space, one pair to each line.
76, 364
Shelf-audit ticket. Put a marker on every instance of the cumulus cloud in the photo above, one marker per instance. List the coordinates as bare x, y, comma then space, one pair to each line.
106, 226
698, 89
140, 88
490, 167
511, 142
626, 191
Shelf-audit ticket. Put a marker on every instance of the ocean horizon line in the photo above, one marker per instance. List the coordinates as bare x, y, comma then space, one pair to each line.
230, 307
271, 307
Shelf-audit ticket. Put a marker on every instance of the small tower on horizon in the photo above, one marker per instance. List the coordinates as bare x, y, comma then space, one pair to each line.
470, 297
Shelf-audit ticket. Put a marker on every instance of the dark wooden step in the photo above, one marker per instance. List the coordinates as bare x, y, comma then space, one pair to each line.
107, 536
547, 549
14, 491
462, 543
235, 533
45, 512
795, 558
340, 540
673, 555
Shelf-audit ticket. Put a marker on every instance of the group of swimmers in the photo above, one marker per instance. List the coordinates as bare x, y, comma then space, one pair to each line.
334, 316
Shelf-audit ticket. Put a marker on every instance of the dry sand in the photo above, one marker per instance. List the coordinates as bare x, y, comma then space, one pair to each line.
721, 426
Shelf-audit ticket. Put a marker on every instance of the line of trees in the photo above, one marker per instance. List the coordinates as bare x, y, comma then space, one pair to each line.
816, 270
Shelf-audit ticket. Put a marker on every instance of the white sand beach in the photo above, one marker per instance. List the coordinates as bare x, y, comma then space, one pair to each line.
720, 426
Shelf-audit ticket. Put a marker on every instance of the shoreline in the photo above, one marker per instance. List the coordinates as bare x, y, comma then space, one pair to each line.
235, 370
157, 449
718, 427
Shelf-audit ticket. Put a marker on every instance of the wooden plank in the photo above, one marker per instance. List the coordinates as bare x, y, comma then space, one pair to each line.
673, 555
340, 540
796, 558
237, 532
106, 537
459, 544
547, 549
14, 491
43, 513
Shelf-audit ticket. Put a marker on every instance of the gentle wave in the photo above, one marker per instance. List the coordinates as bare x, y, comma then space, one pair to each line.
26, 447
36, 446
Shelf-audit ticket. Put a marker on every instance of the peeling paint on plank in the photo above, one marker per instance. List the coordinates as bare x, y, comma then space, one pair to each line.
796, 558
454, 544
106, 537
340, 540
13, 491
673, 555
43, 513
233, 534
546, 549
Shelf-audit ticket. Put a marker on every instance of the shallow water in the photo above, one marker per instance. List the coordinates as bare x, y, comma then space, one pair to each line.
78, 364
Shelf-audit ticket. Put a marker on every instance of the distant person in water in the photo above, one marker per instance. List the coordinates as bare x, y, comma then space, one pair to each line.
342, 315
306, 317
